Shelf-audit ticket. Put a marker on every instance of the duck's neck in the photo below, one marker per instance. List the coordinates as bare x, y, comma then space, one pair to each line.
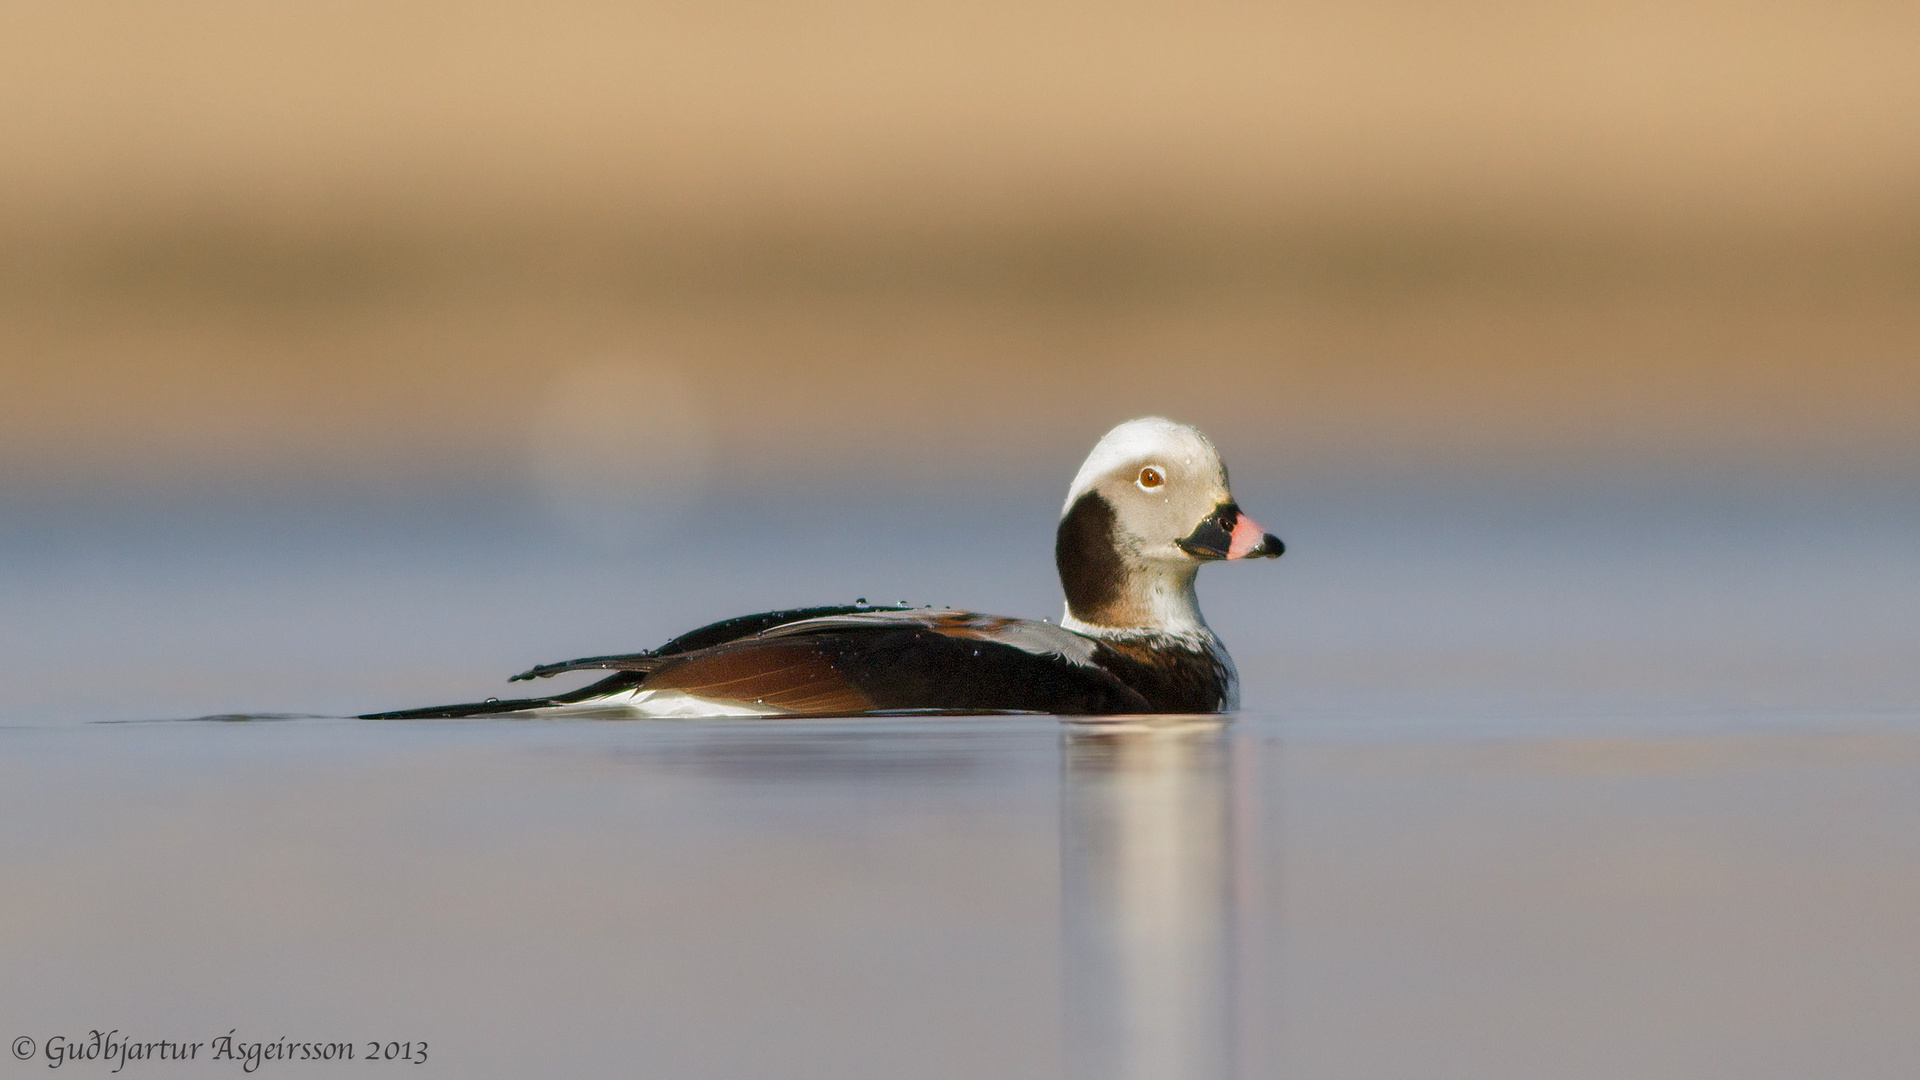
1156, 605
1112, 591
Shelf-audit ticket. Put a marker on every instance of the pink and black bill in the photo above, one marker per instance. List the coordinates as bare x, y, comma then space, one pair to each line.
1229, 534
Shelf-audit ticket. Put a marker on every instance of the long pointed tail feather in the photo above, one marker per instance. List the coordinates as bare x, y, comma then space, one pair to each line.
497, 707
625, 662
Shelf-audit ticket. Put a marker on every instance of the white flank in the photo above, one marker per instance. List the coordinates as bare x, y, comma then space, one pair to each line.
638, 703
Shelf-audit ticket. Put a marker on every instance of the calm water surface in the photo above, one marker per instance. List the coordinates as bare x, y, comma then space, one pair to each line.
1542, 785
978, 897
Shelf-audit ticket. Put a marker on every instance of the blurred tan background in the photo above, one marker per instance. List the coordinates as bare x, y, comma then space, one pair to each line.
366, 242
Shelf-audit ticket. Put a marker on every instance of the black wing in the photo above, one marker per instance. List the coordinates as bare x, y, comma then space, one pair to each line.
706, 637
954, 662
902, 660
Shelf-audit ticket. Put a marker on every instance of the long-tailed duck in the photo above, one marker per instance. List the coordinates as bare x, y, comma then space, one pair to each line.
1150, 505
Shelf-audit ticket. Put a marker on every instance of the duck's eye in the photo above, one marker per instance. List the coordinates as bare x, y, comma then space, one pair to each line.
1150, 478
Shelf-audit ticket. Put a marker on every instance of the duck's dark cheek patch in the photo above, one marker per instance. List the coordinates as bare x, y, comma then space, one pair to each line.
1089, 564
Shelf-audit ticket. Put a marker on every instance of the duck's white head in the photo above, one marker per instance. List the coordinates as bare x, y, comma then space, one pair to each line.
1148, 507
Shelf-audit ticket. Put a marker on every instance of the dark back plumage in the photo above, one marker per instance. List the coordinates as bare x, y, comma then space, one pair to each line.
850, 660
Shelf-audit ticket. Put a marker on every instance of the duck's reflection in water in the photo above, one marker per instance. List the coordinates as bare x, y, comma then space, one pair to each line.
1147, 911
